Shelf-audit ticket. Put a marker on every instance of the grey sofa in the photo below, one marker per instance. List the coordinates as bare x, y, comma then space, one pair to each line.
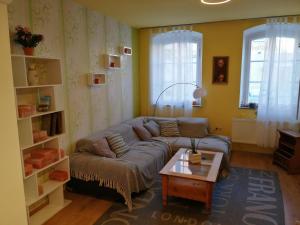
135, 171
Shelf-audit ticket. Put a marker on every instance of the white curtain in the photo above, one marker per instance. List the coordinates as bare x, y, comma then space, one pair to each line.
278, 101
175, 58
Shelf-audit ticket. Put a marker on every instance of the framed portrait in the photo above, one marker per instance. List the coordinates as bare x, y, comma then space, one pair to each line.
220, 69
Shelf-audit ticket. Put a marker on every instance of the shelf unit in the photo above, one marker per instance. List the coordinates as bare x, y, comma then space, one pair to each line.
38, 186
124, 50
288, 153
95, 80
112, 61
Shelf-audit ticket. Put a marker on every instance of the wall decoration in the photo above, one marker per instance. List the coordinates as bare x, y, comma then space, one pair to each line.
220, 69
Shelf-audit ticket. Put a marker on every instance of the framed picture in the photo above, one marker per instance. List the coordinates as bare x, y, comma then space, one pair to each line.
220, 69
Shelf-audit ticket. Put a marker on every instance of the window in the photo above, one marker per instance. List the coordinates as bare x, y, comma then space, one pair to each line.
175, 58
252, 65
254, 47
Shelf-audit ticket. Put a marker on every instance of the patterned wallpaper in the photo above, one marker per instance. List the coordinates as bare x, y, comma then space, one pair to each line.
80, 37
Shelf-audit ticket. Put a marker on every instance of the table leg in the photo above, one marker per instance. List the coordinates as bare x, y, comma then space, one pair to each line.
209, 190
165, 190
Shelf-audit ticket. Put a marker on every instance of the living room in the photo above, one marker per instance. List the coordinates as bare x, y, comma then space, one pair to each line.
102, 68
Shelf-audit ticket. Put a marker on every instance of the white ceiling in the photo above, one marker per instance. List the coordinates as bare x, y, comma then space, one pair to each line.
152, 13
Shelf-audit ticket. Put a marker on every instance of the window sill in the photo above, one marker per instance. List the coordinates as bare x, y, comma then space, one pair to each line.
197, 106
246, 107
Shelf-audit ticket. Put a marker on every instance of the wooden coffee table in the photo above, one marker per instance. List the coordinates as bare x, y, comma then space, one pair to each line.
192, 181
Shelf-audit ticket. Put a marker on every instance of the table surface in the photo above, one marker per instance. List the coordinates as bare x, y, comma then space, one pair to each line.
207, 170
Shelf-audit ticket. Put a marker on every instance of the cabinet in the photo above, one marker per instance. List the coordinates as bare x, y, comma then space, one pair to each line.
288, 153
41, 127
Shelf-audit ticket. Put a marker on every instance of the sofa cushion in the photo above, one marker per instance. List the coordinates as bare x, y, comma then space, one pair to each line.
126, 131
169, 129
142, 132
153, 128
193, 127
138, 121
84, 145
117, 144
102, 148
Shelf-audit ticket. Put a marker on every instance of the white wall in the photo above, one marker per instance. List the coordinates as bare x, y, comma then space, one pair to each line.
80, 37
12, 200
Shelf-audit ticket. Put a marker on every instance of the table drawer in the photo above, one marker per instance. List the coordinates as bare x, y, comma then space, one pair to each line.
187, 188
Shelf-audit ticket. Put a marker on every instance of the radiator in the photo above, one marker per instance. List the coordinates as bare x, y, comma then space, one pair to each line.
243, 131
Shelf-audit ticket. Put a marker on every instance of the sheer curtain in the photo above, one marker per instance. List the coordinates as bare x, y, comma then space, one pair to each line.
175, 58
278, 100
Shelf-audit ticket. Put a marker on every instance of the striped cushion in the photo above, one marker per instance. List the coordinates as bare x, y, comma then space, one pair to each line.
117, 144
169, 129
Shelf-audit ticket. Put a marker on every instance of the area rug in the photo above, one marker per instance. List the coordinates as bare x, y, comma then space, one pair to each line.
246, 196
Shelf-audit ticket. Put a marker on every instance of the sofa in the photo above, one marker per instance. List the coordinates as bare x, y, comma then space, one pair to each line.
135, 170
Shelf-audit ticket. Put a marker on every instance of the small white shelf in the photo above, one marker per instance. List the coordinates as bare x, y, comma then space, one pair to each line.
95, 80
47, 69
38, 86
124, 50
46, 213
34, 57
48, 187
39, 114
112, 61
41, 142
36, 171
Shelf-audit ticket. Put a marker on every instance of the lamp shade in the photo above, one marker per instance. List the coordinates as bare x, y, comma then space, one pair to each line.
199, 92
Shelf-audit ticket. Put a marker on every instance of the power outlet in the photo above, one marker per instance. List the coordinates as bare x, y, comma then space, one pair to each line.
218, 129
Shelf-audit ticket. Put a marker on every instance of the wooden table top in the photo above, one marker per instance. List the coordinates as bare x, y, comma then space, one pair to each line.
207, 170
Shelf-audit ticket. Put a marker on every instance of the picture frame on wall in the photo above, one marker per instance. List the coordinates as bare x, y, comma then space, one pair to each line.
220, 69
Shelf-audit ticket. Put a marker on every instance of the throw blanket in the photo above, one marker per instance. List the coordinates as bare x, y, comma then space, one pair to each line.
133, 172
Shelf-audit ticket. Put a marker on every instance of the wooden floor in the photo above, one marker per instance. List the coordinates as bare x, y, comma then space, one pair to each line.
86, 210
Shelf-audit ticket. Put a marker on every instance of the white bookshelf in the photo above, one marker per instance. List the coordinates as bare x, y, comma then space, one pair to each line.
49, 85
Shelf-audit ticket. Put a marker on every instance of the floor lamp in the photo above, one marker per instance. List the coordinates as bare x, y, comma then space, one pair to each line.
197, 94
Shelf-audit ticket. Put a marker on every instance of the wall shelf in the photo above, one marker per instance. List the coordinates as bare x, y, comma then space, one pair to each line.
96, 79
124, 50
112, 61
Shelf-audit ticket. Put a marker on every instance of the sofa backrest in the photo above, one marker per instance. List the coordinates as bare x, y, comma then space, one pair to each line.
192, 127
188, 126
124, 129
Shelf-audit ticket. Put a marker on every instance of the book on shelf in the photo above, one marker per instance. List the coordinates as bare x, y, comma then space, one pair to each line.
53, 124
59, 125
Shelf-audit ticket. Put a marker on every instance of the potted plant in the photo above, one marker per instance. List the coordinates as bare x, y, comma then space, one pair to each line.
194, 155
29, 41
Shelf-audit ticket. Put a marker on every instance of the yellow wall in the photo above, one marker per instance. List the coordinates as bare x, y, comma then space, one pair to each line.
135, 71
12, 203
221, 103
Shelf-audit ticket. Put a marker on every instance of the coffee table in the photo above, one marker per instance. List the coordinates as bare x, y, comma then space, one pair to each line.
192, 181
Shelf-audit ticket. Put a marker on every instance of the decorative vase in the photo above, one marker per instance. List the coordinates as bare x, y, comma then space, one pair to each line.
33, 77
28, 50
194, 158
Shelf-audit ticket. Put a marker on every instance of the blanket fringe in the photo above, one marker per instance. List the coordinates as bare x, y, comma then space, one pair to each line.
105, 183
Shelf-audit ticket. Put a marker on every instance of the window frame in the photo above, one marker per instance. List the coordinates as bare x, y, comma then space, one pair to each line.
249, 35
197, 38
